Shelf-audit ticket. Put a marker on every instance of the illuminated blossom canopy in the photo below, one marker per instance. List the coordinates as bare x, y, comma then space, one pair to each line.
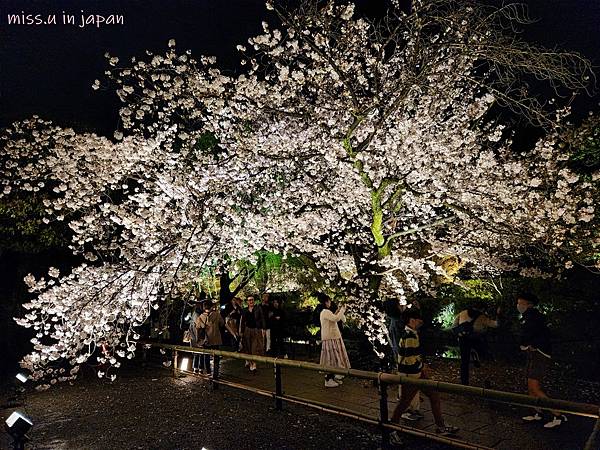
368, 148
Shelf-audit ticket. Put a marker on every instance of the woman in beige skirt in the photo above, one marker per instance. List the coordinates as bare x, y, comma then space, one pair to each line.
333, 350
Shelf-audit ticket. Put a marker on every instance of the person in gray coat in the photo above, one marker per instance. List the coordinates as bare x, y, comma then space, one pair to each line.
209, 324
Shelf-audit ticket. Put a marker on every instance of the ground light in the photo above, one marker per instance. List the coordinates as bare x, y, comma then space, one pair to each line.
185, 364
22, 377
17, 425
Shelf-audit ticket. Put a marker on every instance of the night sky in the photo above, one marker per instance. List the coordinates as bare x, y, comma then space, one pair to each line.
48, 69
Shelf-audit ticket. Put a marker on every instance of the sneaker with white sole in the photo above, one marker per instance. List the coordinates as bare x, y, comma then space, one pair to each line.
447, 430
419, 414
339, 377
331, 383
556, 421
410, 416
535, 418
395, 438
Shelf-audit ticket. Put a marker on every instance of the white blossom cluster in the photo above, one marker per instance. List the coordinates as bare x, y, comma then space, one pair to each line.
371, 159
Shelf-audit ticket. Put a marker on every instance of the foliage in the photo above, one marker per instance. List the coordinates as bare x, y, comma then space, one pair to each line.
585, 144
23, 229
445, 317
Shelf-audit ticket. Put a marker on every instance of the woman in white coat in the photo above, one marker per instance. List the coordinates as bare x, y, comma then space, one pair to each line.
333, 350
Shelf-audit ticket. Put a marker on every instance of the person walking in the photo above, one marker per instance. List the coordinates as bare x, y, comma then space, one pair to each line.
470, 327
267, 311
333, 350
410, 362
535, 341
277, 321
196, 340
210, 322
252, 330
232, 314
395, 324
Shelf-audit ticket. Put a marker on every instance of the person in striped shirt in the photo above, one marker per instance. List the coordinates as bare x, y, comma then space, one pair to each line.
410, 362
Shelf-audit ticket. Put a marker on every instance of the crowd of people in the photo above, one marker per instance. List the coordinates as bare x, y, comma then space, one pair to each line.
254, 329
258, 329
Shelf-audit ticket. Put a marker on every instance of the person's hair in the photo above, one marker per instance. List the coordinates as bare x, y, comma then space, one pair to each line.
411, 313
207, 304
250, 297
528, 297
322, 297
198, 309
479, 305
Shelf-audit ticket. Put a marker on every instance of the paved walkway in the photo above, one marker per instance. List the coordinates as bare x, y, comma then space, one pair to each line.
482, 422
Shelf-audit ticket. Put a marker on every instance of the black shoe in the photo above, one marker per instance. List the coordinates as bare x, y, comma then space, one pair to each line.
476, 360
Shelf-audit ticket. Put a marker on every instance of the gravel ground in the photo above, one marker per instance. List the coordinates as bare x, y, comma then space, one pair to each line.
558, 383
148, 409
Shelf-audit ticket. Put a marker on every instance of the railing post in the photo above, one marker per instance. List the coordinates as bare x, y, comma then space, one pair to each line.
215, 371
175, 362
383, 414
278, 388
594, 440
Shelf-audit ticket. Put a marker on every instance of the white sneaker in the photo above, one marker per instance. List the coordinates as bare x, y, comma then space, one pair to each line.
556, 421
419, 414
338, 377
535, 418
331, 383
410, 416
395, 438
447, 430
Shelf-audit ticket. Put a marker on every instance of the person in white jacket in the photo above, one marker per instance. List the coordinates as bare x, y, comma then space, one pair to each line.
333, 350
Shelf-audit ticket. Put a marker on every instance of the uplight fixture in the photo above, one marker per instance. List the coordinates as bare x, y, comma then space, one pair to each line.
185, 364
17, 425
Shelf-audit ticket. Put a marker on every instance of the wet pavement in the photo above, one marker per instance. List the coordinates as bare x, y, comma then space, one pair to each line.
481, 422
148, 408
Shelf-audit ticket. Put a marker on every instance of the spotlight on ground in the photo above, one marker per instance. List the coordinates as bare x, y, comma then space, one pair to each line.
22, 377
17, 425
185, 364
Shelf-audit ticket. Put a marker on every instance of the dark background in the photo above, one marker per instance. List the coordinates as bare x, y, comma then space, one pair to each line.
49, 70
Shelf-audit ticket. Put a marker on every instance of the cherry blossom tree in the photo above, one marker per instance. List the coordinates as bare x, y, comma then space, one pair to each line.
370, 150
392, 154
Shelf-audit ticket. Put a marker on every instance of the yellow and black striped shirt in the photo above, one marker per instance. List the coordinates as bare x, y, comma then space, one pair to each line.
410, 359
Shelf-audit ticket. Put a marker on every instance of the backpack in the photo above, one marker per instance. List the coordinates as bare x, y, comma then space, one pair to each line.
198, 335
465, 329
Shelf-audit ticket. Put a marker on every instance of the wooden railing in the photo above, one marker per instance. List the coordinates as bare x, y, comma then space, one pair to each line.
383, 380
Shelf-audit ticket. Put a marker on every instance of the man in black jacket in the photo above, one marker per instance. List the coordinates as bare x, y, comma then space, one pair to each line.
535, 340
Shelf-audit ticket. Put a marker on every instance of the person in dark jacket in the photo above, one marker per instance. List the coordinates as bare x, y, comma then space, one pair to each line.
252, 330
535, 340
474, 324
277, 321
232, 314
